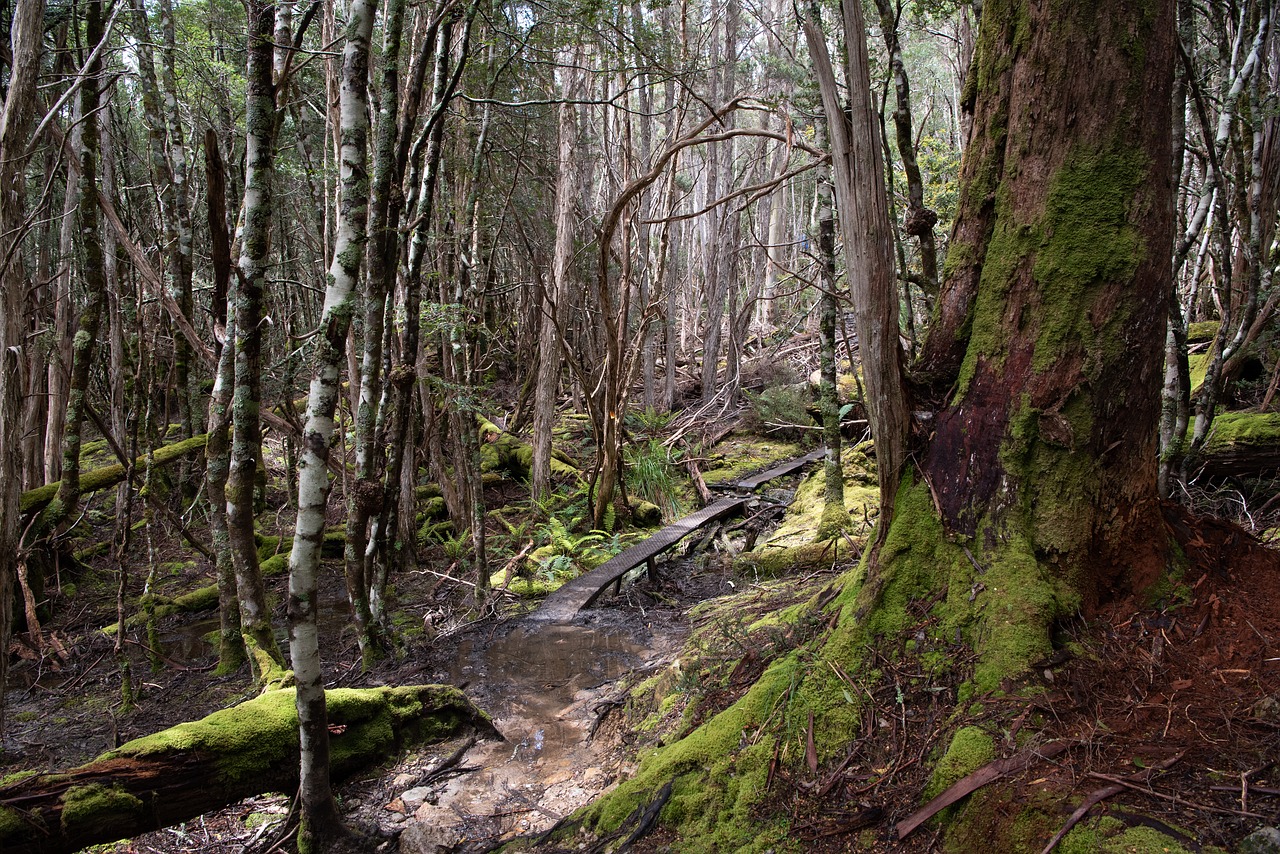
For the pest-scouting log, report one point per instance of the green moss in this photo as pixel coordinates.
(98, 806)
(645, 513)
(99, 478)
(17, 777)
(741, 455)
(1202, 332)
(1242, 430)
(258, 737)
(1087, 236)
(970, 749)
(718, 773)
(1197, 369)
(12, 825)
(198, 600)
(275, 565)
(792, 560)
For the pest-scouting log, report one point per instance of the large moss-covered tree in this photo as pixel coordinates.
(1028, 491)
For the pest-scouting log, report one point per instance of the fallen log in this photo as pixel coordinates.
(34, 500)
(1241, 444)
(190, 769)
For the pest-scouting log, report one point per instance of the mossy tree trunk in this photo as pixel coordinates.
(320, 821)
(255, 252)
(231, 650)
(380, 260)
(1035, 490)
(1049, 342)
(93, 275)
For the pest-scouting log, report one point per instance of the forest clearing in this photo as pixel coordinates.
(461, 426)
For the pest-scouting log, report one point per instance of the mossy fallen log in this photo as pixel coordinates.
(190, 769)
(502, 451)
(37, 499)
(1241, 444)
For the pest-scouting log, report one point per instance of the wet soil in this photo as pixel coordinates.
(547, 687)
(1190, 678)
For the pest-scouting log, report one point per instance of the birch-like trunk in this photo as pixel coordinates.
(403, 377)
(320, 819)
(366, 498)
(255, 252)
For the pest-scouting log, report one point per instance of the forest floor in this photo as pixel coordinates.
(1188, 678)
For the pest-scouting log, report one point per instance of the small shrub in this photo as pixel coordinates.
(781, 411)
(651, 474)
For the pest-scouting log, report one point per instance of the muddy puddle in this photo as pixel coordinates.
(544, 686)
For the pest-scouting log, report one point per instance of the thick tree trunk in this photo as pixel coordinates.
(1062, 279)
(255, 252)
(26, 30)
(196, 767)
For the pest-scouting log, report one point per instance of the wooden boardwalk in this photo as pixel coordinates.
(563, 604)
(758, 480)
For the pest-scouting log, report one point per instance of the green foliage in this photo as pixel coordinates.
(651, 473)
(780, 411)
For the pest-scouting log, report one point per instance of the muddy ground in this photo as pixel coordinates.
(1189, 679)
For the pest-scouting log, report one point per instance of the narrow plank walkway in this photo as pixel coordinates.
(563, 604)
(758, 480)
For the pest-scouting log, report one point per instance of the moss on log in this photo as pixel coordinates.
(192, 768)
(502, 451)
(100, 478)
(1242, 444)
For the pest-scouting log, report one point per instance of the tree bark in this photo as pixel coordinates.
(920, 220)
(553, 314)
(95, 286)
(255, 252)
(381, 250)
(868, 248)
(196, 767)
(320, 820)
(26, 29)
(1044, 458)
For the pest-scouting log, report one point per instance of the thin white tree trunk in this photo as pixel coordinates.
(319, 812)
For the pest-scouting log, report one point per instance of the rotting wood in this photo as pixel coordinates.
(192, 768)
(971, 783)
